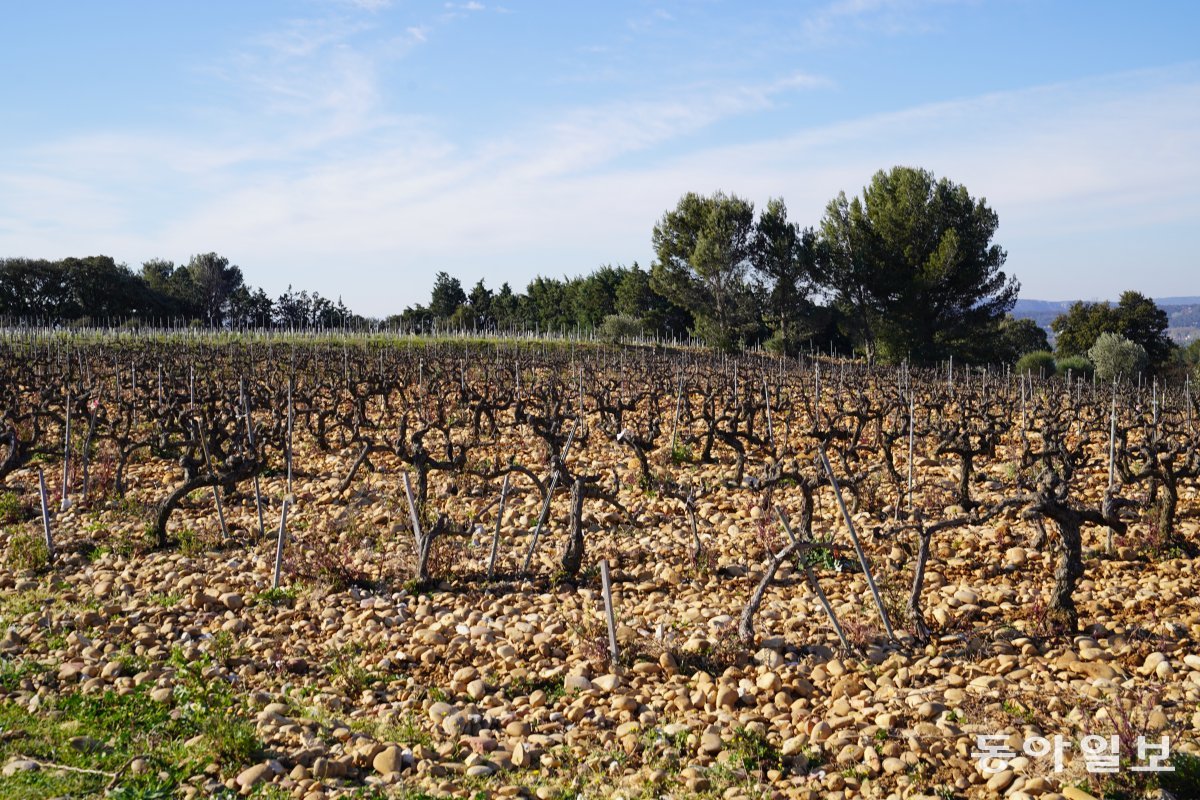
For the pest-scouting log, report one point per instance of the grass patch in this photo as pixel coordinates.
(13, 509)
(282, 596)
(346, 671)
(406, 731)
(164, 599)
(752, 752)
(1184, 781)
(119, 727)
(105, 731)
(27, 551)
(193, 543)
(524, 686)
(14, 671)
(681, 454)
(14, 605)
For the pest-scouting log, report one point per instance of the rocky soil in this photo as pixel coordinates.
(181, 671)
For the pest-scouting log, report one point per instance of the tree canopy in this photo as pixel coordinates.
(906, 271)
(703, 248)
(207, 290)
(1134, 317)
(785, 258)
(914, 265)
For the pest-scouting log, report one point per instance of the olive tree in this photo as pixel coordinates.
(1116, 357)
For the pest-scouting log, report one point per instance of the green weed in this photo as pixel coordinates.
(27, 551)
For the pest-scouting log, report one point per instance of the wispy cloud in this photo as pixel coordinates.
(1083, 157)
(587, 137)
(367, 5)
(833, 22)
(654, 18)
(315, 176)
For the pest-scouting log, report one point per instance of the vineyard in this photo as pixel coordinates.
(368, 568)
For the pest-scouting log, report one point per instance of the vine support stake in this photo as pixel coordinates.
(610, 617)
(46, 516)
(420, 537)
(491, 572)
(811, 578)
(911, 420)
(1112, 460)
(862, 556)
(283, 511)
(258, 503)
(290, 417)
(767, 399)
(66, 474)
(537, 531)
(216, 489)
(678, 403)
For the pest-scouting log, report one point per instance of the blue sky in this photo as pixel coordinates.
(355, 147)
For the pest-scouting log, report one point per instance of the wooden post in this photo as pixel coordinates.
(418, 532)
(678, 403)
(697, 546)
(85, 456)
(911, 420)
(1112, 440)
(767, 398)
(46, 516)
(1187, 396)
(1112, 461)
(1154, 407)
(610, 616)
(817, 392)
(1021, 376)
(279, 543)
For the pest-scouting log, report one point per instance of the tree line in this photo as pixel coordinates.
(1113, 340)
(207, 290)
(906, 272)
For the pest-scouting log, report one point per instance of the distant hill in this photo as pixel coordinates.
(1183, 313)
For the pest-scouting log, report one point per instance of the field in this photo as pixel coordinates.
(371, 568)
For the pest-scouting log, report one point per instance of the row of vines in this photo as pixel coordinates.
(596, 432)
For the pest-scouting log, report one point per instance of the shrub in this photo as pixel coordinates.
(1116, 357)
(785, 344)
(1078, 366)
(1039, 362)
(618, 328)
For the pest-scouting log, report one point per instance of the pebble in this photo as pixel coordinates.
(20, 765)
(391, 759)
(252, 776)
